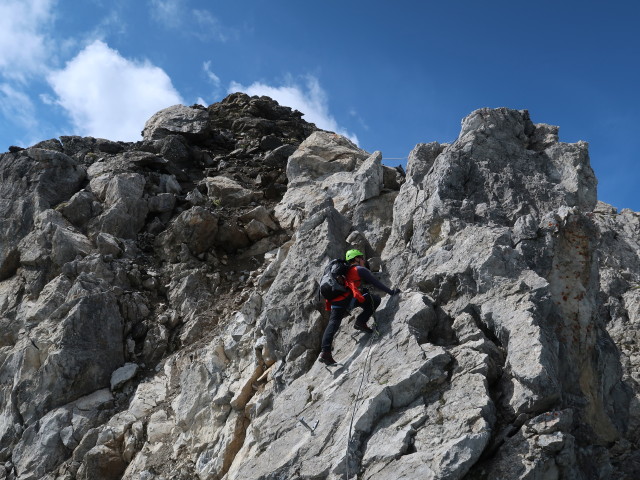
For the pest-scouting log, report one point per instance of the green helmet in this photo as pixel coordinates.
(351, 254)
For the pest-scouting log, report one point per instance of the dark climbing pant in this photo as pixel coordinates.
(340, 309)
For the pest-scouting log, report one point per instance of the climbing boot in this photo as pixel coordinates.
(362, 327)
(326, 358)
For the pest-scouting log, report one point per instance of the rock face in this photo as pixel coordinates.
(160, 316)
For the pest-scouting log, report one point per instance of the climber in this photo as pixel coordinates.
(343, 304)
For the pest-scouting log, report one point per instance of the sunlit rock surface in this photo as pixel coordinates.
(160, 315)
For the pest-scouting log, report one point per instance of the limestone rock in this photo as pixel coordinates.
(510, 353)
(373, 218)
(228, 192)
(44, 445)
(32, 180)
(164, 202)
(196, 227)
(620, 309)
(320, 155)
(270, 142)
(123, 375)
(87, 356)
(260, 214)
(173, 147)
(108, 245)
(125, 209)
(256, 230)
(392, 178)
(230, 236)
(322, 168)
(80, 208)
(67, 244)
(177, 119)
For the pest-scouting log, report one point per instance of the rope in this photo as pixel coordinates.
(364, 371)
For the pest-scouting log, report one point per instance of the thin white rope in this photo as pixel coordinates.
(364, 371)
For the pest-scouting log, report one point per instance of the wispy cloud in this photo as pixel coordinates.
(209, 26)
(24, 49)
(213, 78)
(17, 105)
(170, 13)
(215, 82)
(107, 95)
(113, 23)
(353, 112)
(200, 23)
(309, 98)
(103, 93)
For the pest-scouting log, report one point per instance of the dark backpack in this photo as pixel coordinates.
(333, 277)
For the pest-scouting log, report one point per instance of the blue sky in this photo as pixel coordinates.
(387, 74)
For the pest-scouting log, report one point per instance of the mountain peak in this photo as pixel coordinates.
(161, 318)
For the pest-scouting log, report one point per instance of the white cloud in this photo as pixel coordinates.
(210, 26)
(114, 23)
(109, 96)
(200, 23)
(310, 99)
(170, 13)
(17, 106)
(24, 47)
(215, 80)
(359, 119)
(47, 99)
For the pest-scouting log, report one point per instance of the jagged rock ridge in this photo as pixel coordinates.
(160, 317)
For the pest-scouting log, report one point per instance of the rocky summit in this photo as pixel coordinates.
(160, 316)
